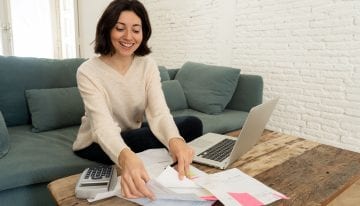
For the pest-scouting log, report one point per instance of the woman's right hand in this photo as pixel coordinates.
(133, 176)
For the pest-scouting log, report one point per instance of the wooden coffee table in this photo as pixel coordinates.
(307, 172)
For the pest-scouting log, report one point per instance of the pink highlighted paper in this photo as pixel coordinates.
(209, 198)
(245, 199)
(233, 187)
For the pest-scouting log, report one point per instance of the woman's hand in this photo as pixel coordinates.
(133, 176)
(183, 154)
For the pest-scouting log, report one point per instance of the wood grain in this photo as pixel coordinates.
(308, 172)
(63, 191)
(314, 176)
(350, 197)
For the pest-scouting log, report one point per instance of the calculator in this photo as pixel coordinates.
(94, 180)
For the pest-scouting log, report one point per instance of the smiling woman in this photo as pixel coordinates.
(120, 87)
(38, 28)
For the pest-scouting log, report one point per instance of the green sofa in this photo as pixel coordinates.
(40, 110)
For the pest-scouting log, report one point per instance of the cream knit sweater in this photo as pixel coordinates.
(115, 103)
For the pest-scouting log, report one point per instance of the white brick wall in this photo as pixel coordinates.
(307, 51)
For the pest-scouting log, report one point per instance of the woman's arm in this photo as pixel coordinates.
(134, 175)
(104, 128)
(162, 123)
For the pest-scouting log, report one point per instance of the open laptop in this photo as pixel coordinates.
(220, 150)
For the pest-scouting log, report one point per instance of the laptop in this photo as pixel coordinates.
(221, 151)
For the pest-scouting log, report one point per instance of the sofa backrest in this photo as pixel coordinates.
(248, 92)
(18, 74)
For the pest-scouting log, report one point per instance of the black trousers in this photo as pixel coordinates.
(141, 139)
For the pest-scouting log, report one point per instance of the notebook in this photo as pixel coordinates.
(221, 151)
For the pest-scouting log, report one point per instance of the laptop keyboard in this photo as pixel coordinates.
(219, 151)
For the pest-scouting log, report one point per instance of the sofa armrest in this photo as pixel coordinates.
(248, 93)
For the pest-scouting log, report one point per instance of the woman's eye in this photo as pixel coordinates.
(136, 31)
(119, 29)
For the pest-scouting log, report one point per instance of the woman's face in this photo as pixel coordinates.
(126, 36)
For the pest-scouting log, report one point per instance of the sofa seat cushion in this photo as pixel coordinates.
(40, 157)
(227, 121)
(30, 195)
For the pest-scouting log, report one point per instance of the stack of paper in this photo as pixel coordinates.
(231, 187)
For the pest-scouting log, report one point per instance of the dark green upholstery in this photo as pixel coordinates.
(207, 88)
(227, 121)
(18, 74)
(30, 195)
(164, 75)
(39, 157)
(248, 93)
(4, 137)
(172, 73)
(54, 108)
(174, 95)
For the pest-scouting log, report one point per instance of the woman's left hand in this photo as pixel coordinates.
(183, 154)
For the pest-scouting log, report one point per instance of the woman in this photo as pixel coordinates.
(118, 88)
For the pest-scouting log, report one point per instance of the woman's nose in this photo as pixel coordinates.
(127, 34)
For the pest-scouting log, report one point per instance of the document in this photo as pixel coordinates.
(165, 183)
(233, 188)
(166, 197)
(169, 178)
(155, 161)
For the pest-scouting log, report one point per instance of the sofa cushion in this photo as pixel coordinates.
(174, 95)
(54, 108)
(30, 195)
(248, 93)
(172, 73)
(207, 88)
(18, 74)
(164, 75)
(227, 121)
(40, 157)
(4, 137)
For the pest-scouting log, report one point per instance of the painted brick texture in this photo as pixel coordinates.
(308, 53)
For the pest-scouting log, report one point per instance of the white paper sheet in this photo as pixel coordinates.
(166, 197)
(233, 187)
(157, 163)
(169, 178)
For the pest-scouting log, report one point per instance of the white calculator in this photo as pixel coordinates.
(94, 180)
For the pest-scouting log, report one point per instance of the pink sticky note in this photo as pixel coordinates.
(245, 199)
(209, 198)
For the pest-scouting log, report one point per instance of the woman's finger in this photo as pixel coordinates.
(181, 168)
(134, 192)
(125, 191)
(141, 187)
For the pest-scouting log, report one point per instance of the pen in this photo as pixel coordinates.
(173, 164)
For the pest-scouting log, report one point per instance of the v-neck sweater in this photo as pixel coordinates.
(117, 102)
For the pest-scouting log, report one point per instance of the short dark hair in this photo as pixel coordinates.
(109, 19)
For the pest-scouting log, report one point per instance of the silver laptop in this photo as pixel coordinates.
(220, 150)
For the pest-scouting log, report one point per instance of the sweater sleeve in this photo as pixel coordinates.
(105, 130)
(157, 112)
